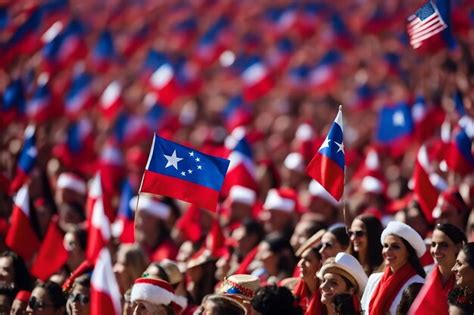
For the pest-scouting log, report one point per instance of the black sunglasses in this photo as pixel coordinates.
(34, 304)
(358, 233)
(78, 297)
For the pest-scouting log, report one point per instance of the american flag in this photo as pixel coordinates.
(425, 23)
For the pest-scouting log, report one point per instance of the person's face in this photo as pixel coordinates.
(277, 221)
(394, 252)
(463, 272)
(145, 308)
(358, 234)
(121, 272)
(443, 250)
(245, 241)
(7, 273)
(40, 303)
(416, 220)
(146, 228)
(300, 235)
(78, 301)
(239, 211)
(330, 246)
(309, 264)
(195, 273)
(268, 258)
(18, 307)
(209, 308)
(331, 285)
(455, 310)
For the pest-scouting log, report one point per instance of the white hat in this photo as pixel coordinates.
(294, 161)
(72, 182)
(347, 266)
(153, 291)
(243, 195)
(242, 284)
(372, 184)
(407, 233)
(316, 190)
(150, 205)
(275, 201)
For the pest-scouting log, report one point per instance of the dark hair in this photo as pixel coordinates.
(22, 277)
(453, 232)
(55, 293)
(225, 305)
(344, 304)
(287, 260)
(468, 250)
(374, 229)
(315, 250)
(413, 259)
(81, 235)
(254, 227)
(408, 296)
(341, 235)
(463, 299)
(274, 300)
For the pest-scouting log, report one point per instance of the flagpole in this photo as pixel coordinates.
(344, 203)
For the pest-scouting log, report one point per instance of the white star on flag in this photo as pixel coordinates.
(340, 147)
(172, 160)
(325, 144)
(398, 119)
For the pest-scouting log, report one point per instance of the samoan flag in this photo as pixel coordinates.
(79, 96)
(395, 127)
(13, 104)
(26, 160)
(180, 172)
(327, 166)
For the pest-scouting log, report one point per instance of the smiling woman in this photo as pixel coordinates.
(464, 267)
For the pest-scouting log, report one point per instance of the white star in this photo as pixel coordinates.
(325, 144)
(198, 160)
(199, 167)
(191, 153)
(183, 173)
(340, 146)
(172, 160)
(190, 171)
(398, 119)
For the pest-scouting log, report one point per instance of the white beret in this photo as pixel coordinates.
(407, 233)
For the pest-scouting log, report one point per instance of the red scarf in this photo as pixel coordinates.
(388, 288)
(310, 303)
(433, 297)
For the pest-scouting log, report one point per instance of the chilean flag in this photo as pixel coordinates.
(242, 170)
(211, 45)
(73, 46)
(163, 82)
(281, 54)
(26, 160)
(426, 192)
(104, 52)
(40, 107)
(123, 227)
(13, 104)
(460, 158)
(21, 237)
(52, 254)
(105, 292)
(327, 166)
(324, 75)
(99, 231)
(111, 100)
(79, 97)
(180, 172)
(257, 80)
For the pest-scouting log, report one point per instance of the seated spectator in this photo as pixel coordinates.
(153, 297)
(273, 300)
(277, 259)
(335, 240)
(220, 305)
(464, 267)
(47, 298)
(130, 264)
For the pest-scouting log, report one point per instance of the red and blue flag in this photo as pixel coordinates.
(395, 127)
(184, 173)
(26, 160)
(327, 166)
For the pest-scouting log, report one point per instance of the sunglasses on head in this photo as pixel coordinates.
(34, 304)
(78, 297)
(359, 233)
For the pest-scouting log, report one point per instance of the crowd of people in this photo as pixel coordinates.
(85, 85)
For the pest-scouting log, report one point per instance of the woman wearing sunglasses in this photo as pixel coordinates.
(78, 300)
(364, 234)
(335, 240)
(47, 299)
(402, 249)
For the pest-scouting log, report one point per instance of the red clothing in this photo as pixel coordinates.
(433, 297)
(167, 249)
(310, 303)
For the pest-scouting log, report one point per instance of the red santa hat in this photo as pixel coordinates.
(282, 200)
(23, 296)
(151, 205)
(73, 182)
(154, 291)
(243, 195)
(449, 200)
